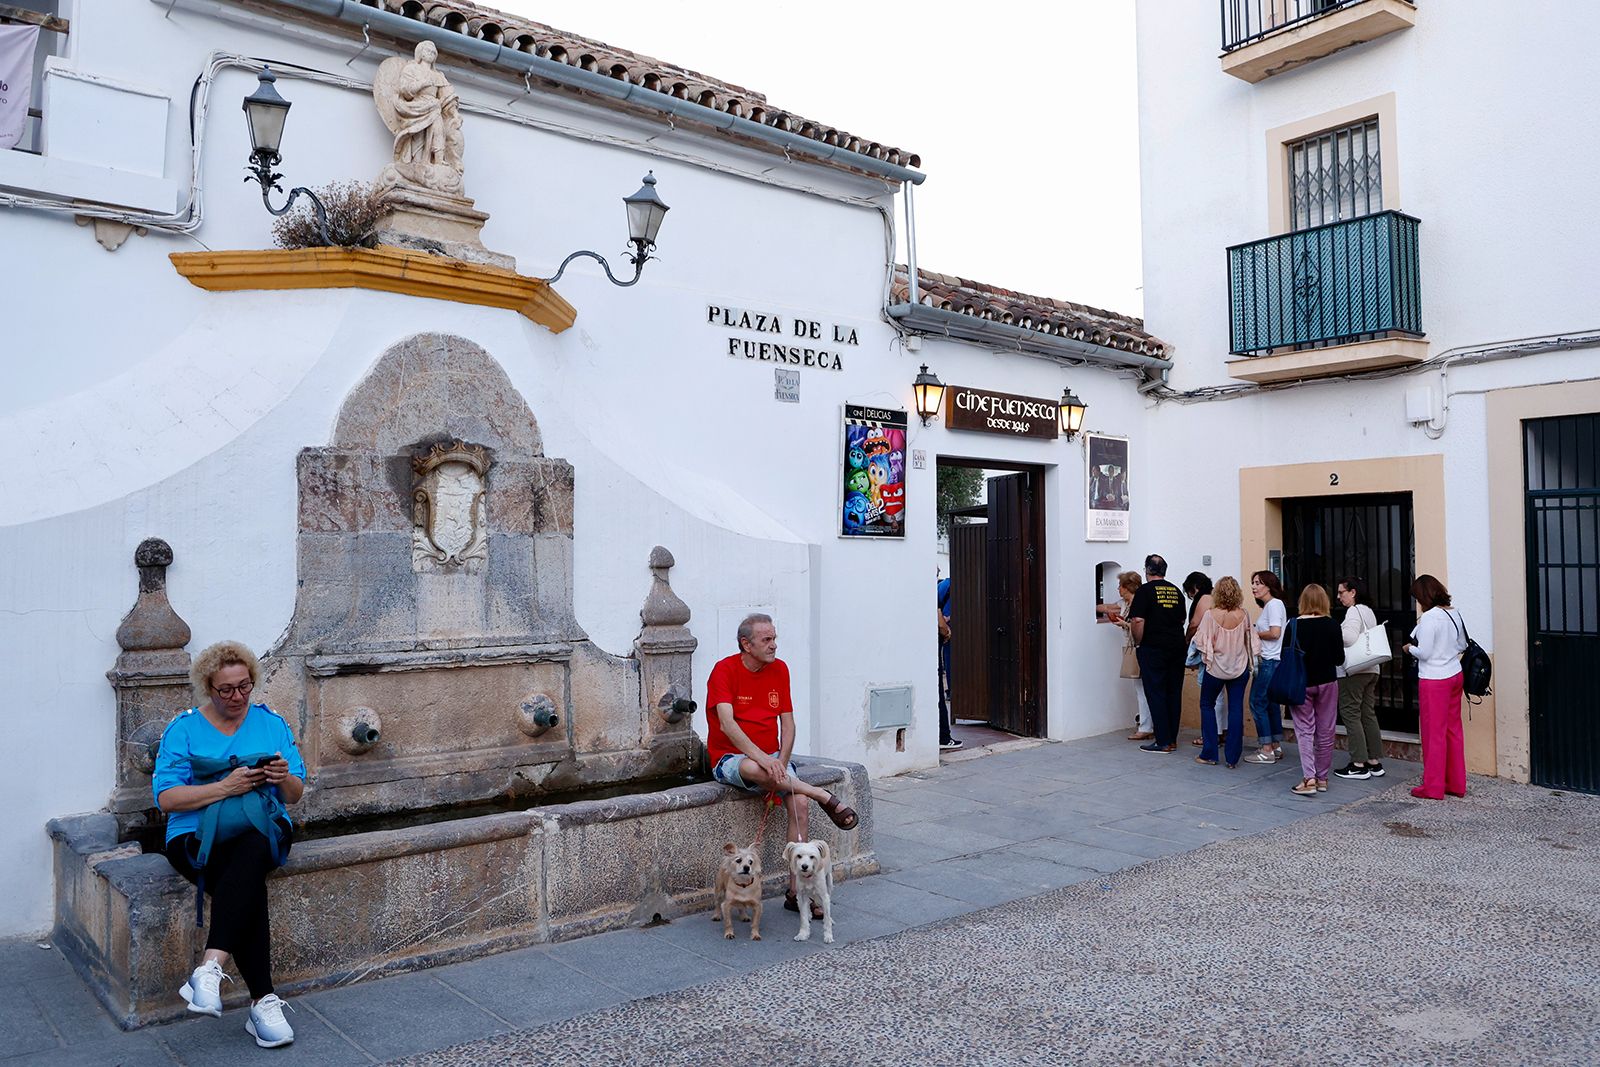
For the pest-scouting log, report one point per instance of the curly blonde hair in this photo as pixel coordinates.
(1227, 595)
(213, 659)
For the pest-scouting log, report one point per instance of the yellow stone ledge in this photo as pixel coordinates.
(388, 270)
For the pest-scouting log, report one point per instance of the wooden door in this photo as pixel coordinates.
(969, 622)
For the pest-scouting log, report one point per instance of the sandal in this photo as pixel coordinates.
(843, 817)
(790, 903)
(1306, 788)
(1207, 762)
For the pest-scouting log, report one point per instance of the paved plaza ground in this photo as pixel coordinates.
(1075, 903)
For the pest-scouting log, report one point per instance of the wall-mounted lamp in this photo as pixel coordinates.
(1072, 411)
(645, 212)
(266, 112)
(930, 394)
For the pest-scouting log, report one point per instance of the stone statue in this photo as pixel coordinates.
(423, 112)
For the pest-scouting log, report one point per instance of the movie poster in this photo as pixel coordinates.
(873, 500)
(1107, 482)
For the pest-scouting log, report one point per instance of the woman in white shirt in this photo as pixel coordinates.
(1268, 591)
(1128, 583)
(1358, 689)
(1437, 644)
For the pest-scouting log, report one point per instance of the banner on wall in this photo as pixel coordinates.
(17, 44)
(873, 494)
(1106, 476)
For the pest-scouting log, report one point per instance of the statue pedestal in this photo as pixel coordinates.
(428, 221)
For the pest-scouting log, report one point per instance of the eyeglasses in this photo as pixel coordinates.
(227, 691)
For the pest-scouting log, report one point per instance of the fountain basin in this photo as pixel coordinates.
(361, 905)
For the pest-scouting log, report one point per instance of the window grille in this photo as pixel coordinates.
(1335, 175)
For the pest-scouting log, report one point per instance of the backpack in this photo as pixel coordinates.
(1475, 666)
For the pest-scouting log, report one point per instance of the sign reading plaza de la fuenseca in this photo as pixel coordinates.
(795, 341)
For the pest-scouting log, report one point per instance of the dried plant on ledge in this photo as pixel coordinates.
(353, 208)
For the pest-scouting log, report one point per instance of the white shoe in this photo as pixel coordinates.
(203, 990)
(950, 745)
(267, 1024)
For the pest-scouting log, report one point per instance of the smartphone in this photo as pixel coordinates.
(262, 762)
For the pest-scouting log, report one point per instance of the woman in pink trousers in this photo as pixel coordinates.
(1319, 639)
(1437, 644)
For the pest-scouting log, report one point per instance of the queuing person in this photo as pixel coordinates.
(1128, 583)
(1266, 712)
(1157, 619)
(221, 749)
(1197, 587)
(1227, 642)
(1318, 637)
(947, 740)
(1437, 644)
(1358, 689)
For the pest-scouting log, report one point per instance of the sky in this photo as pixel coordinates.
(1024, 114)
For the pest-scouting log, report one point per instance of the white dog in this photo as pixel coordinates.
(811, 863)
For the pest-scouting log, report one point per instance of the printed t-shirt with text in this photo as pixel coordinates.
(758, 698)
(1160, 604)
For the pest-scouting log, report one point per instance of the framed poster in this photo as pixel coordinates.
(1106, 479)
(873, 479)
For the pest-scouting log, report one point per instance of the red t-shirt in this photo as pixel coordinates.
(758, 698)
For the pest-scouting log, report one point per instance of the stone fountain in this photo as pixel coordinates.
(482, 776)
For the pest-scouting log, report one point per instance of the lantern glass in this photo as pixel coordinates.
(1072, 412)
(645, 212)
(266, 112)
(929, 391)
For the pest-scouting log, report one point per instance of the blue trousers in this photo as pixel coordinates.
(1161, 672)
(1268, 716)
(1210, 687)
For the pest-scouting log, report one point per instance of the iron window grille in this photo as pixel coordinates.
(1335, 175)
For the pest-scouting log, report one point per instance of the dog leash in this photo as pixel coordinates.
(772, 802)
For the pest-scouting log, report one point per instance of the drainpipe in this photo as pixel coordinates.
(355, 14)
(911, 246)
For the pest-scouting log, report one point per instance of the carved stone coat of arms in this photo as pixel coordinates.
(449, 528)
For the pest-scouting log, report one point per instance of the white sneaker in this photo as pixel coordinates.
(203, 990)
(267, 1024)
(950, 745)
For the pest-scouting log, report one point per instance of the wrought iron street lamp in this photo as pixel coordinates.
(645, 212)
(929, 391)
(1072, 411)
(266, 113)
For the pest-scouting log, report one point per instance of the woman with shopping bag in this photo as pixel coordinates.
(1366, 650)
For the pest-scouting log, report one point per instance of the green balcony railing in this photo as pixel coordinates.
(1341, 282)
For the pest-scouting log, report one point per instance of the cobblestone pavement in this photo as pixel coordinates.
(1392, 931)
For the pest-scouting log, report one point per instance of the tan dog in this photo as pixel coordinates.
(738, 886)
(811, 863)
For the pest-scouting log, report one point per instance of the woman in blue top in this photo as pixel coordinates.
(226, 724)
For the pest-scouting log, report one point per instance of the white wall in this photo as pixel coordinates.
(1496, 156)
(142, 406)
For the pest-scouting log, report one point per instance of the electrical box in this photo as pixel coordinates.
(889, 708)
(1419, 404)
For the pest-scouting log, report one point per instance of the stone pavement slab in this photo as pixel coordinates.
(980, 831)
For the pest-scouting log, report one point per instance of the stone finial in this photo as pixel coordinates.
(152, 624)
(662, 607)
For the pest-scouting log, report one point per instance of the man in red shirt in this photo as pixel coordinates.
(751, 731)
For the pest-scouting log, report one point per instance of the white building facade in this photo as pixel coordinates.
(141, 405)
(1373, 260)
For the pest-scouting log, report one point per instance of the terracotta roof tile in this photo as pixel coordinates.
(1045, 314)
(535, 38)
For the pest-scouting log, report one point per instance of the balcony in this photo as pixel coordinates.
(1326, 301)
(1261, 38)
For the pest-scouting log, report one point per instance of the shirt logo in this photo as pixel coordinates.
(772, 699)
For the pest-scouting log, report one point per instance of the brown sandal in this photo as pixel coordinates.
(791, 903)
(844, 818)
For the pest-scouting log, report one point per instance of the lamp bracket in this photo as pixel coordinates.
(638, 260)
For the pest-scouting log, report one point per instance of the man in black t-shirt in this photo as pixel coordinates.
(1158, 619)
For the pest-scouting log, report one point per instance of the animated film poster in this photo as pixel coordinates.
(1107, 481)
(874, 491)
